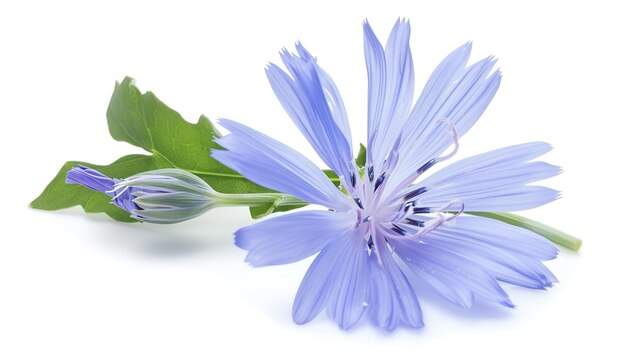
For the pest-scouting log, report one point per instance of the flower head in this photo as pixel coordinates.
(163, 196)
(393, 229)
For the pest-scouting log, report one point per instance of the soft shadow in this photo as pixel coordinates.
(211, 232)
(166, 243)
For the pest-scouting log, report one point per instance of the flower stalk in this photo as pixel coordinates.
(556, 236)
(258, 199)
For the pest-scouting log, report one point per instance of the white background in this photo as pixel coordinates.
(76, 285)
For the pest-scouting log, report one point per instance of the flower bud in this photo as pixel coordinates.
(163, 196)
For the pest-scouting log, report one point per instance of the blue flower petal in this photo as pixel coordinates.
(510, 253)
(449, 70)
(311, 99)
(392, 300)
(335, 103)
(292, 237)
(90, 178)
(377, 83)
(456, 278)
(504, 237)
(428, 130)
(493, 181)
(390, 91)
(274, 165)
(337, 280)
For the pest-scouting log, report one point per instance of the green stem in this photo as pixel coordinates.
(259, 199)
(558, 237)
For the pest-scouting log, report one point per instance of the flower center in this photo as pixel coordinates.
(389, 212)
(399, 215)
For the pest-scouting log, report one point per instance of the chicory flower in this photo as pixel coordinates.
(393, 229)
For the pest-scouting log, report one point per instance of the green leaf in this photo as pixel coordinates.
(144, 121)
(361, 157)
(332, 176)
(550, 233)
(58, 195)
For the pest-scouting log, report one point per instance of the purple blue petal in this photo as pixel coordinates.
(338, 281)
(299, 235)
(392, 297)
(493, 181)
(276, 166)
(305, 96)
(391, 88)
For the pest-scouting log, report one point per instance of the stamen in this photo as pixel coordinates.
(407, 206)
(370, 173)
(376, 248)
(398, 229)
(421, 210)
(403, 209)
(352, 179)
(358, 202)
(414, 193)
(370, 243)
(451, 204)
(366, 219)
(426, 166)
(455, 215)
(392, 159)
(455, 139)
(433, 224)
(414, 222)
(379, 181)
